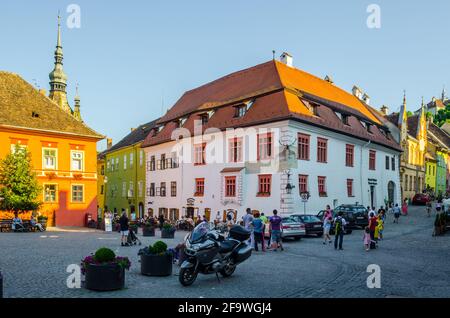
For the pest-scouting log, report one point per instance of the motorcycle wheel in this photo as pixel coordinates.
(187, 276)
(228, 270)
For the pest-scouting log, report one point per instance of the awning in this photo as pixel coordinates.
(234, 169)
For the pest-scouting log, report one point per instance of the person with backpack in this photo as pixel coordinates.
(339, 228)
(397, 213)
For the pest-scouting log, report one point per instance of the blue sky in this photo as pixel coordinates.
(134, 59)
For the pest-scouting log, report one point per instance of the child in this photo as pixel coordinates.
(379, 228)
(366, 238)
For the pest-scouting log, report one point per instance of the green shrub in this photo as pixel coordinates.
(104, 255)
(167, 226)
(158, 248)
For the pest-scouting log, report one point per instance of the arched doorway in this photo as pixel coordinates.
(391, 192)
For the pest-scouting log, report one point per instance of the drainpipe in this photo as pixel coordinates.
(361, 169)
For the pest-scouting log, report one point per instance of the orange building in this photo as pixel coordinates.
(63, 149)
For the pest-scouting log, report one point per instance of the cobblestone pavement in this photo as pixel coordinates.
(413, 264)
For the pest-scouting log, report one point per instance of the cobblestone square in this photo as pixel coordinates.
(413, 264)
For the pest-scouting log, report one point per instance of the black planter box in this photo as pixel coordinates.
(148, 231)
(104, 277)
(156, 265)
(167, 233)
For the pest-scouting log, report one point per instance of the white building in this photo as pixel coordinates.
(260, 137)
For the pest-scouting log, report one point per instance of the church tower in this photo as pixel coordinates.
(76, 110)
(58, 79)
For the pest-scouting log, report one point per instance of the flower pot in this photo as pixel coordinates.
(104, 277)
(148, 231)
(156, 265)
(167, 233)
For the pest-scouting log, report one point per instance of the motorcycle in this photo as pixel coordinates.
(209, 252)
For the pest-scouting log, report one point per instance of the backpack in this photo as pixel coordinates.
(338, 228)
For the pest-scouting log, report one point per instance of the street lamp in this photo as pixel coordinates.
(289, 188)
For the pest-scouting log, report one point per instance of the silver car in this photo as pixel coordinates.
(290, 229)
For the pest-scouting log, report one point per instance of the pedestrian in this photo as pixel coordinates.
(339, 228)
(247, 219)
(266, 223)
(373, 222)
(230, 222)
(258, 227)
(439, 206)
(380, 227)
(161, 221)
(366, 238)
(429, 208)
(327, 218)
(275, 228)
(397, 213)
(124, 228)
(405, 207)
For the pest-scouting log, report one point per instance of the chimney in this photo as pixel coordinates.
(287, 59)
(385, 110)
(329, 79)
(108, 143)
(42, 92)
(357, 92)
(366, 99)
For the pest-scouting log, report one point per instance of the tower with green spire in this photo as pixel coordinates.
(58, 79)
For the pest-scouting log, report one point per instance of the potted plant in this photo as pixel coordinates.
(104, 271)
(42, 220)
(156, 260)
(168, 231)
(148, 229)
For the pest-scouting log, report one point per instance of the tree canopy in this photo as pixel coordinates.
(19, 188)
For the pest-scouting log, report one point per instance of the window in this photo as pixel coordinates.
(303, 183)
(204, 118)
(199, 154)
(264, 146)
(173, 188)
(264, 185)
(77, 193)
(350, 187)
(102, 170)
(240, 111)
(388, 160)
(321, 181)
(141, 158)
(102, 189)
(173, 214)
(235, 150)
(410, 183)
(140, 188)
(117, 164)
(349, 155)
(50, 159)
(162, 191)
(49, 192)
(230, 186)
(151, 165)
(17, 147)
(124, 162)
(151, 190)
(108, 165)
(322, 150)
(163, 162)
(130, 193)
(199, 187)
(372, 158)
(393, 163)
(77, 160)
(303, 147)
(131, 160)
(124, 189)
(344, 119)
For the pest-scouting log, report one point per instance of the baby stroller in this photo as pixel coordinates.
(132, 239)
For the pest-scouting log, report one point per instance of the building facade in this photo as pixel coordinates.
(264, 138)
(62, 147)
(124, 183)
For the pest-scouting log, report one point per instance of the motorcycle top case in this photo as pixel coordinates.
(239, 233)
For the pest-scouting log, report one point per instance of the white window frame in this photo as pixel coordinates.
(44, 167)
(117, 164)
(71, 192)
(140, 188)
(131, 188)
(124, 162)
(44, 199)
(72, 152)
(141, 158)
(124, 189)
(131, 160)
(21, 147)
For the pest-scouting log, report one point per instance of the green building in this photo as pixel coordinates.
(124, 184)
(441, 141)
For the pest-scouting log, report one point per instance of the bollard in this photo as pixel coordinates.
(1, 285)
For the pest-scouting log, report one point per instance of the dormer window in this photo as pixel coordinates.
(344, 119)
(204, 118)
(315, 108)
(240, 111)
(369, 128)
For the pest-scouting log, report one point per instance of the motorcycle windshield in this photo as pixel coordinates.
(200, 231)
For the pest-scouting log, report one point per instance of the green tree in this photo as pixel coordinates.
(19, 188)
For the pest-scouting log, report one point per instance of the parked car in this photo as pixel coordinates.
(421, 199)
(290, 229)
(357, 216)
(313, 225)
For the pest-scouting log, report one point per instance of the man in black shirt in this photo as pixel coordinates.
(123, 221)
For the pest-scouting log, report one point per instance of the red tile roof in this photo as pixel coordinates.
(278, 92)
